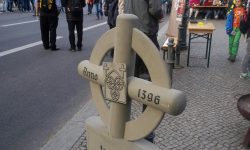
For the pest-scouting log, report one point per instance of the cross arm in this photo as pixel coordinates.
(170, 101)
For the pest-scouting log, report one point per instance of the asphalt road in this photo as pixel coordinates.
(39, 90)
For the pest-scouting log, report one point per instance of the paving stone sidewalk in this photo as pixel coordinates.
(211, 120)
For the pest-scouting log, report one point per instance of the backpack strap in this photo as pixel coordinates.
(230, 8)
(46, 3)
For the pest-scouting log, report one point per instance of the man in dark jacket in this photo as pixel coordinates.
(149, 13)
(111, 10)
(49, 11)
(74, 15)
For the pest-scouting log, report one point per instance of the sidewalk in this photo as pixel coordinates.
(211, 119)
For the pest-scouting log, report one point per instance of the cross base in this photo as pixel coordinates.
(99, 139)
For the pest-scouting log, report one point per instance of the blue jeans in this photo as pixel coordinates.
(9, 5)
(99, 12)
(90, 6)
(26, 5)
(217, 13)
(208, 13)
(4, 5)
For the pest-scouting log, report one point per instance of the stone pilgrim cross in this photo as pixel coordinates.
(114, 81)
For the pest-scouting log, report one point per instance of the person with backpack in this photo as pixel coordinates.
(232, 28)
(49, 11)
(245, 29)
(74, 15)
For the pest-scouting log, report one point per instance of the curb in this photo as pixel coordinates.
(65, 138)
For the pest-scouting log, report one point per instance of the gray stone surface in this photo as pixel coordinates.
(211, 120)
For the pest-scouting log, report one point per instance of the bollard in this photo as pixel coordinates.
(183, 27)
(178, 48)
(170, 58)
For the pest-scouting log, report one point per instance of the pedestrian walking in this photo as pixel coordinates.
(150, 14)
(111, 11)
(98, 6)
(74, 15)
(19, 5)
(49, 11)
(32, 4)
(90, 6)
(232, 29)
(9, 5)
(26, 5)
(4, 6)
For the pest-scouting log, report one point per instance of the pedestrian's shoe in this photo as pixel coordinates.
(79, 48)
(73, 49)
(245, 75)
(46, 47)
(150, 137)
(233, 58)
(55, 48)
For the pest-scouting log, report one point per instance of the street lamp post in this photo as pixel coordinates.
(184, 23)
(182, 33)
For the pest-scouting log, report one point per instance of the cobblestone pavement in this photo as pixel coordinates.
(211, 120)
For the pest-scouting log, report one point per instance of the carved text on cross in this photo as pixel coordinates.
(122, 69)
(105, 67)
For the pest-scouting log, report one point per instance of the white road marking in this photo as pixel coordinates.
(14, 50)
(94, 26)
(14, 24)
